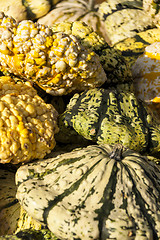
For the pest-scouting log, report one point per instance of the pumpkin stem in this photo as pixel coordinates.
(117, 152)
(91, 4)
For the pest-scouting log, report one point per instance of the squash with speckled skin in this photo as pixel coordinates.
(111, 116)
(99, 192)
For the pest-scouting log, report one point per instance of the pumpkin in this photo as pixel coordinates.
(57, 62)
(114, 20)
(124, 19)
(26, 9)
(111, 116)
(114, 64)
(146, 75)
(76, 10)
(27, 123)
(98, 192)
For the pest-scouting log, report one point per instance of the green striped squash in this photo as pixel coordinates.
(123, 19)
(99, 192)
(108, 116)
(111, 116)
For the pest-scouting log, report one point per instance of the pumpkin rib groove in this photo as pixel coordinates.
(95, 112)
(107, 205)
(68, 191)
(141, 202)
(150, 176)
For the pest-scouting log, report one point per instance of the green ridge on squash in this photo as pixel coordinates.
(108, 116)
(98, 192)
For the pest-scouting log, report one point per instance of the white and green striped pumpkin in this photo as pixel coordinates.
(114, 20)
(99, 192)
(111, 116)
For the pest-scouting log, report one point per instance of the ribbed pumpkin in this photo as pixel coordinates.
(114, 20)
(123, 19)
(111, 116)
(99, 192)
(76, 10)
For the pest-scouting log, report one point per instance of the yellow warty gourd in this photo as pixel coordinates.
(27, 123)
(57, 62)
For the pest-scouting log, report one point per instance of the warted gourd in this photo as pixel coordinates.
(27, 123)
(57, 62)
(111, 59)
(98, 192)
(111, 116)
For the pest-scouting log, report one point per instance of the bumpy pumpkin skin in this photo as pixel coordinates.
(114, 64)
(98, 192)
(57, 62)
(108, 116)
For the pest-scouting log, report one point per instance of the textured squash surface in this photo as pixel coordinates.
(57, 62)
(110, 116)
(98, 192)
(111, 59)
(27, 123)
(107, 116)
(30, 234)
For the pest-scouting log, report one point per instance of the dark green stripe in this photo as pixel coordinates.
(70, 190)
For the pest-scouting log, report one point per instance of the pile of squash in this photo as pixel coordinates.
(80, 121)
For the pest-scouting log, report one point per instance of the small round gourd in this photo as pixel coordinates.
(98, 192)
